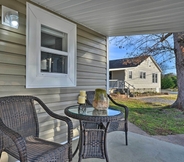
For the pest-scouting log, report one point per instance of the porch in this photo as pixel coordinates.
(141, 148)
(121, 86)
(91, 62)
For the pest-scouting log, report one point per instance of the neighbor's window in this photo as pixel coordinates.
(154, 78)
(130, 74)
(51, 50)
(143, 75)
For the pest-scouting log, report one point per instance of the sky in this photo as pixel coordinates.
(116, 53)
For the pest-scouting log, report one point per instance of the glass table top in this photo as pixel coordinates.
(90, 113)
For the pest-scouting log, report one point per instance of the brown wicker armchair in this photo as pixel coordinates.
(19, 132)
(121, 125)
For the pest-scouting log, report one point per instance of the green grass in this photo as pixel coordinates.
(155, 119)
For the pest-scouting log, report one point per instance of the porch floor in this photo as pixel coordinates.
(140, 148)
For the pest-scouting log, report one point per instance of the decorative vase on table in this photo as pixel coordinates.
(100, 101)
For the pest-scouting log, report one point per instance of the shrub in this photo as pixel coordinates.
(168, 81)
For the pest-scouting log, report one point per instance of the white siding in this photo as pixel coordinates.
(119, 74)
(146, 84)
(141, 84)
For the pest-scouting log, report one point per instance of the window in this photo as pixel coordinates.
(154, 78)
(143, 75)
(130, 74)
(52, 42)
(51, 50)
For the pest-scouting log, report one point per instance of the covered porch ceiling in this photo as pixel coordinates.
(122, 17)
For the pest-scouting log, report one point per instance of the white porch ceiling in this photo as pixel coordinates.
(122, 17)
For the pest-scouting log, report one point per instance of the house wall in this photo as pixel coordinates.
(141, 85)
(120, 74)
(149, 67)
(91, 70)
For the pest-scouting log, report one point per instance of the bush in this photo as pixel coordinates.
(174, 78)
(168, 81)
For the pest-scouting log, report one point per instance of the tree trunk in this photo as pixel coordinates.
(179, 57)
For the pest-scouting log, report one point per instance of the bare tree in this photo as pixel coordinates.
(163, 47)
(179, 57)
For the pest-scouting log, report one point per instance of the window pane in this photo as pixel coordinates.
(152, 78)
(144, 75)
(51, 38)
(140, 74)
(53, 63)
(130, 74)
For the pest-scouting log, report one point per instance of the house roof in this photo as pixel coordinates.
(127, 62)
(121, 17)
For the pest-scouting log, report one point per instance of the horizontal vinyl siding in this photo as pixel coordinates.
(11, 58)
(12, 37)
(12, 48)
(120, 75)
(141, 83)
(91, 71)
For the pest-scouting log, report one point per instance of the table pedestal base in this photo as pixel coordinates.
(92, 142)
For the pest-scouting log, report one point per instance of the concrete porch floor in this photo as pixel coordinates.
(141, 148)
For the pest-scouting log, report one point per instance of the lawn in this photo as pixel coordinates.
(155, 119)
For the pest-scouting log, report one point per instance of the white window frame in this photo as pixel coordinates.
(143, 75)
(34, 77)
(154, 78)
(130, 74)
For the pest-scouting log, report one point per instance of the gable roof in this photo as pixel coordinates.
(127, 62)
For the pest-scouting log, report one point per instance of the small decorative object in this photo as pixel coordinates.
(83, 93)
(82, 101)
(100, 101)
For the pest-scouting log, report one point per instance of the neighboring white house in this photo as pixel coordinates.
(141, 73)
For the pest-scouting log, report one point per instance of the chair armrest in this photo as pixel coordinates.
(121, 105)
(17, 139)
(60, 117)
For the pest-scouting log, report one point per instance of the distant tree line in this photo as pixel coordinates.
(169, 81)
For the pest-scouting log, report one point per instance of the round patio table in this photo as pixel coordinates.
(93, 130)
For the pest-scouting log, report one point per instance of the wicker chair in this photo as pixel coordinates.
(121, 125)
(19, 132)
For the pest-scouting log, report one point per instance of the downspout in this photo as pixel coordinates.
(107, 50)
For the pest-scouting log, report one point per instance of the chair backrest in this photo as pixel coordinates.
(90, 97)
(19, 114)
